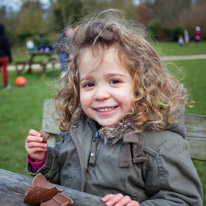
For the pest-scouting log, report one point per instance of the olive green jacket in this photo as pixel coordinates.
(153, 168)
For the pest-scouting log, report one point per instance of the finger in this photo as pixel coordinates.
(113, 200)
(36, 144)
(34, 139)
(32, 151)
(107, 197)
(133, 203)
(123, 201)
(33, 132)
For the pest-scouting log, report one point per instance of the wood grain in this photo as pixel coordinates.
(13, 187)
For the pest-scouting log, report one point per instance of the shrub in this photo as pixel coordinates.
(176, 32)
(154, 28)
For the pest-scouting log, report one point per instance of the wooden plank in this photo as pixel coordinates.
(13, 187)
(20, 66)
(49, 123)
(196, 135)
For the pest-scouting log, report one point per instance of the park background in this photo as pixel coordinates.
(21, 108)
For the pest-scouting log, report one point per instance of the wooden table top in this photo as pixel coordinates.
(13, 187)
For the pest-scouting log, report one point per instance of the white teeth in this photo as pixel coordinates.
(105, 109)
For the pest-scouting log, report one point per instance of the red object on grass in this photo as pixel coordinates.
(20, 81)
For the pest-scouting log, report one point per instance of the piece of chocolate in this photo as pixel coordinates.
(44, 135)
(58, 200)
(40, 191)
(40, 181)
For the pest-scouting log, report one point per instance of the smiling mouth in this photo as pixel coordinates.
(106, 109)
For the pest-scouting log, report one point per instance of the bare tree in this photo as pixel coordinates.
(167, 12)
(195, 16)
(31, 17)
(143, 14)
(67, 12)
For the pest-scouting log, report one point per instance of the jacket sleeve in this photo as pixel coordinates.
(171, 177)
(51, 169)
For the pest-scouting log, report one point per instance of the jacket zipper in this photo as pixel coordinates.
(92, 158)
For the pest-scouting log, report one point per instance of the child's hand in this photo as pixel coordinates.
(35, 145)
(119, 200)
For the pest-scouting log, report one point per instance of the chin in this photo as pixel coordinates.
(107, 124)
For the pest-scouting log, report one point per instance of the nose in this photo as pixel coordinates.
(101, 93)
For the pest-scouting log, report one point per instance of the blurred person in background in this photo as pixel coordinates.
(180, 41)
(5, 56)
(186, 37)
(30, 45)
(62, 49)
(197, 35)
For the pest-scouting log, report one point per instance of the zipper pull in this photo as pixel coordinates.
(92, 158)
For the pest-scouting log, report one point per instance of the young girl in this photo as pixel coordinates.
(122, 120)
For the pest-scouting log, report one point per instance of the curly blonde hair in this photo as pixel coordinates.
(158, 95)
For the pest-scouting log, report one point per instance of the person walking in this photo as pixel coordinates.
(5, 56)
(62, 49)
(181, 41)
(197, 35)
(186, 37)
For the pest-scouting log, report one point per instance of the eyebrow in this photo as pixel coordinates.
(107, 75)
(81, 80)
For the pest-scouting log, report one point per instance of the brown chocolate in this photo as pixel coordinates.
(44, 135)
(40, 181)
(41, 191)
(36, 195)
(58, 200)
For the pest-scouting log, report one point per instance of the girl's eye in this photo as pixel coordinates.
(114, 81)
(90, 84)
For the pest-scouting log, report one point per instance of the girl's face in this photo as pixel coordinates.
(106, 87)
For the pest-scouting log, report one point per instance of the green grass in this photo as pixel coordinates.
(194, 80)
(21, 108)
(173, 49)
(27, 57)
(192, 73)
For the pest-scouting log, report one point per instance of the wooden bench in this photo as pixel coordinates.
(29, 63)
(195, 130)
(13, 187)
(20, 66)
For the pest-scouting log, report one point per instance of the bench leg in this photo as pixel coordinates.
(18, 71)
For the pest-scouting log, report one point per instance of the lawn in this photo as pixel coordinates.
(173, 49)
(21, 108)
(192, 73)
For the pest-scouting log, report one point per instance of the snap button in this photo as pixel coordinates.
(75, 125)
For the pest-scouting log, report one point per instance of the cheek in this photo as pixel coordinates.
(128, 100)
(84, 100)
(129, 94)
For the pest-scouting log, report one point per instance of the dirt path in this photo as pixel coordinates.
(164, 58)
(185, 57)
